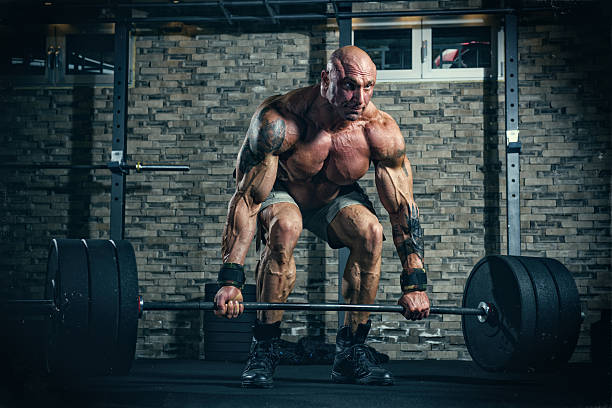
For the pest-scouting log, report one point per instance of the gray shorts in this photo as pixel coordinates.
(317, 220)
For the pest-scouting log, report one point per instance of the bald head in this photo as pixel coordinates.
(351, 58)
(348, 82)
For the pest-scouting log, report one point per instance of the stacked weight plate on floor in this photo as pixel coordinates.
(535, 318)
(94, 285)
(224, 339)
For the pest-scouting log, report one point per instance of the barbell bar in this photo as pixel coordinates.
(113, 166)
(517, 313)
(46, 306)
(319, 307)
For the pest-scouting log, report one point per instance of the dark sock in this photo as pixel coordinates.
(262, 331)
(362, 332)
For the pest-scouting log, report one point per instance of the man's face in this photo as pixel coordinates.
(348, 88)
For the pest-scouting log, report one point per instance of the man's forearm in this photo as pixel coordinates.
(239, 229)
(408, 238)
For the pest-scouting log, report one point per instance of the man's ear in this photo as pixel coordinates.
(324, 82)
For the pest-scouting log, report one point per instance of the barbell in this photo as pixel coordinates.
(517, 312)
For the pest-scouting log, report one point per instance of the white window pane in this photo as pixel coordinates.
(390, 49)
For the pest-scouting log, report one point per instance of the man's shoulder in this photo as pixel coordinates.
(295, 102)
(381, 122)
(384, 137)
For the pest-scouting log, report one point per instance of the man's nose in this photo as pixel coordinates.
(359, 96)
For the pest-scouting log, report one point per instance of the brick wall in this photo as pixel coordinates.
(191, 102)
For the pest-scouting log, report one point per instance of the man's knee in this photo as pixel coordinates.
(370, 238)
(283, 237)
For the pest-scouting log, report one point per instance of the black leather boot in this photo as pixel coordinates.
(264, 356)
(355, 362)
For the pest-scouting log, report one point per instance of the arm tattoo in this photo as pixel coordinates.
(414, 243)
(263, 137)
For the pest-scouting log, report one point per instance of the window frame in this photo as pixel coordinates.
(413, 23)
(422, 47)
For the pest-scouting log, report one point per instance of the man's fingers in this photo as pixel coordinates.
(231, 309)
(222, 306)
(414, 309)
(218, 306)
(220, 311)
(228, 310)
(235, 308)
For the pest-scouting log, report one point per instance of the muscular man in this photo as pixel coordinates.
(297, 168)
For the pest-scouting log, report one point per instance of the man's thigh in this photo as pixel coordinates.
(281, 223)
(319, 221)
(350, 225)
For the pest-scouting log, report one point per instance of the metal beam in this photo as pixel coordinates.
(200, 12)
(226, 13)
(270, 11)
(513, 145)
(119, 143)
(346, 38)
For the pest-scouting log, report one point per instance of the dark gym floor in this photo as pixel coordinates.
(185, 384)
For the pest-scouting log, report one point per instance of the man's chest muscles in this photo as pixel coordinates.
(320, 156)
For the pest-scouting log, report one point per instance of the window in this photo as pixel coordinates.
(388, 49)
(470, 47)
(58, 55)
(28, 57)
(461, 47)
(90, 54)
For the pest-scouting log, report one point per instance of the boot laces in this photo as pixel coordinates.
(262, 355)
(365, 357)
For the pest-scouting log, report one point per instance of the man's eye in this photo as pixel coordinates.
(349, 86)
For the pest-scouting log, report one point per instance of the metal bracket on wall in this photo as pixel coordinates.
(119, 143)
(513, 145)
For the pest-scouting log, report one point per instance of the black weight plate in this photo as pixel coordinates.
(128, 308)
(228, 356)
(72, 335)
(569, 309)
(104, 304)
(225, 347)
(245, 318)
(220, 337)
(227, 327)
(547, 311)
(501, 342)
(226, 344)
(52, 293)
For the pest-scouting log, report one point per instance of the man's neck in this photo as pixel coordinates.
(327, 118)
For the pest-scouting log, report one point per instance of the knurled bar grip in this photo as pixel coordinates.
(310, 306)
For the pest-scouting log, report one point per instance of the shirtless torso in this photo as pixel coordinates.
(316, 157)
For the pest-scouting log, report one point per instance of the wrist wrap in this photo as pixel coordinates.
(231, 274)
(413, 280)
